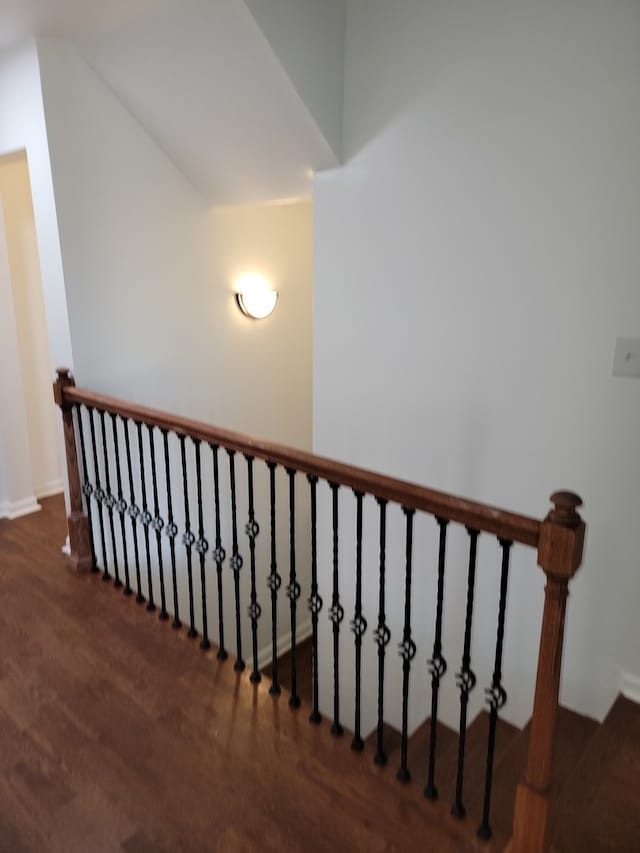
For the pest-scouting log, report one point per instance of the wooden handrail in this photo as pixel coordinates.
(479, 516)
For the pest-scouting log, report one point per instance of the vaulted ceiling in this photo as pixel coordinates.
(246, 107)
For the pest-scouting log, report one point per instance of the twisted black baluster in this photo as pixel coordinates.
(358, 624)
(496, 695)
(315, 601)
(171, 530)
(110, 503)
(381, 635)
(145, 518)
(236, 560)
(437, 665)
(202, 546)
(87, 488)
(218, 554)
(98, 493)
(407, 648)
(158, 524)
(121, 506)
(465, 679)
(273, 582)
(293, 588)
(133, 512)
(254, 610)
(336, 615)
(188, 539)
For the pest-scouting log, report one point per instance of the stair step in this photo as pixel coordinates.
(418, 749)
(390, 737)
(573, 733)
(476, 759)
(597, 805)
(304, 670)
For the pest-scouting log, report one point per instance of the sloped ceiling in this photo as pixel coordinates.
(204, 82)
(64, 18)
(308, 36)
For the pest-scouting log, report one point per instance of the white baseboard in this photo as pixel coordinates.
(16, 509)
(630, 686)
(303, 632)
(47, 490)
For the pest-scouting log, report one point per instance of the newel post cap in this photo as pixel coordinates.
(562, 537)
(564, 512)
(64, 379)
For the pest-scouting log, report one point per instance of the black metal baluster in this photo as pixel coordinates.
(98, 493)
(496, 695)
(158, 524)
(465, 679)
(336, 615)
(188, 539)
(236, 560)
(273, 582)
(121, 506)
(293, 588)
(87, 488)
(145, 518)
(254, 610)
(437, 665)
(315, 601)
(133, 512)
(110, 503)
(358, 624)
(381, 635)
(202, 546)
(407, 648)
(171, 530)
(218, 554)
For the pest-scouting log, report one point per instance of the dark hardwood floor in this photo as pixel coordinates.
(119, 734)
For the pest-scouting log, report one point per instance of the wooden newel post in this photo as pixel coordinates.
(560, 554)
(80, 557)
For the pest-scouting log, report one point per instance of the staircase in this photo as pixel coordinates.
(597, 770)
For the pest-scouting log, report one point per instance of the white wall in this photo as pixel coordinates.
(308, 39)
(128, 225)
(475, 260)
(267, 369)
(15, 197)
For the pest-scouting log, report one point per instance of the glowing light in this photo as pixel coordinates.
(255, 296)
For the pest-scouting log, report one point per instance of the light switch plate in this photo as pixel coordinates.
(626, 359)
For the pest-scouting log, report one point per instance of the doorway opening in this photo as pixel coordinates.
(29, 450)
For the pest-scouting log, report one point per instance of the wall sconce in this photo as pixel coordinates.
(255, 297)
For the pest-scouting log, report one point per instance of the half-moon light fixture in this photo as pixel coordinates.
(255, 297)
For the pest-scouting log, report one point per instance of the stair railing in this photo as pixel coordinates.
(99, 434)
